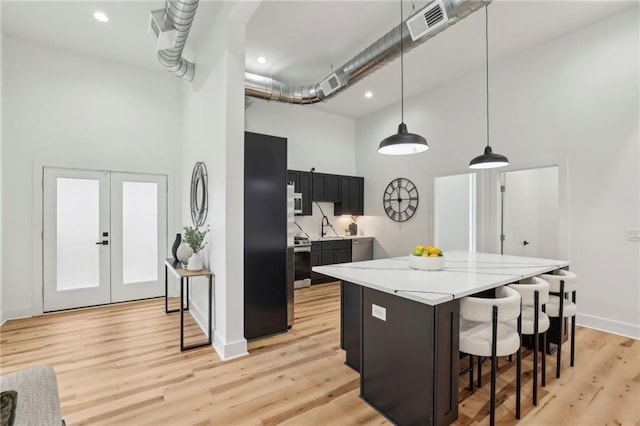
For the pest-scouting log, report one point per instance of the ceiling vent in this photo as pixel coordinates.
(330, 84)
(427, 20)
(162, 32)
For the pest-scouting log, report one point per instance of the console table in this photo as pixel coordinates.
(170, 265)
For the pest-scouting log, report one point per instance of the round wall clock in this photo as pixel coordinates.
(400, 199)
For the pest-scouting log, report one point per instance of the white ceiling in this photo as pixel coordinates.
(304, 39)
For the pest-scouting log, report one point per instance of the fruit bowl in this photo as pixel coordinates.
(426, 263)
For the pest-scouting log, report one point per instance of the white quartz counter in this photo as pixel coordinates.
(341, 237)
(464, 274)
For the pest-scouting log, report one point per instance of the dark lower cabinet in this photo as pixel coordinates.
(328, 253)
(265, 235)
(409, 360)
(351, 297)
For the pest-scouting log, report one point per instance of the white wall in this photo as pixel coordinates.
(576, 97)
(214, 133)
(63, 109)
(314, 139)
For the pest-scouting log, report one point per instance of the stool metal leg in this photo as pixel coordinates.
(470, 372)
(494, 358)
(544, 359)
(561, 320)
(518, 364)
(536, 302)
(573, 332)
(479, 371)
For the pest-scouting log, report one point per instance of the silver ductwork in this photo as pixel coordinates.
(179, 14)
(419, 27)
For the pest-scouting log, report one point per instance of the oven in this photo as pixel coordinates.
(302, 264)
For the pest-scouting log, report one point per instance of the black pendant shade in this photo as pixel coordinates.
(403, 143)
(488, 160)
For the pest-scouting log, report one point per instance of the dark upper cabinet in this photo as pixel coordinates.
(351, 196)
(302, 183)
(326, 188)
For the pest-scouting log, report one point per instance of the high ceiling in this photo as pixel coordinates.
(303, 40)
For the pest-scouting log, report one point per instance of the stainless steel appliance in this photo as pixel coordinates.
(361, 249)
(290, 253)
(302, 262)
(297, 203)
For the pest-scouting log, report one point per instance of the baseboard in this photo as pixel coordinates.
(229, 351)
(226, 351)
(15, 313)
(609, 326)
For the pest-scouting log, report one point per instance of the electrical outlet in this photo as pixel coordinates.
(379, 312)
(633, 234)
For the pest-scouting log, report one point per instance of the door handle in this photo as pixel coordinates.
(103, 243)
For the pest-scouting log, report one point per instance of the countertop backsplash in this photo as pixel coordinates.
(313, 224)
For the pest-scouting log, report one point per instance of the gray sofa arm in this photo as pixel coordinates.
(38, 403)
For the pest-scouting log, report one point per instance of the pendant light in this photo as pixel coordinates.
(488, 160)
(403, 142)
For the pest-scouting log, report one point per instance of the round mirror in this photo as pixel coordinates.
(199, 204)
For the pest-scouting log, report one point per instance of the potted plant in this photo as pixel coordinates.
(195, 239)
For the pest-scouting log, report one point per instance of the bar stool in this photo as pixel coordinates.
(486, 330)
(535, 293)
(558, 306)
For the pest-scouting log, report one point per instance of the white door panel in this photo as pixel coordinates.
(76, 269)
(139, 229)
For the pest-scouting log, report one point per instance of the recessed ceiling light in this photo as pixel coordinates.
(101, 17)
(262, 60)
(368, 95)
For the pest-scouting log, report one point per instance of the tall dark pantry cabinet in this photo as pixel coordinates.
(265, 235)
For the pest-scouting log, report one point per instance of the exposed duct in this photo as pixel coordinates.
(422, 25)
(179, 15)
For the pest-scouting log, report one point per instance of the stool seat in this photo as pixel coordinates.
(553, 307)
(527, 321)
(475, 338)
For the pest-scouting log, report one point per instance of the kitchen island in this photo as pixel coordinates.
(399, 327)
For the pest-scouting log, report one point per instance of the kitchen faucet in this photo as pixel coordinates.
(324, 219)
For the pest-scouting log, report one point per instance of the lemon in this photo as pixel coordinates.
(434, 255)
(425, 254)
(418, 248)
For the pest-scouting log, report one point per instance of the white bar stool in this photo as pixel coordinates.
(486, 330)
(558, 306)
(535, 293)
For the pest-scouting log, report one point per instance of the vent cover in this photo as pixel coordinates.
(330, 84)
(427, 20)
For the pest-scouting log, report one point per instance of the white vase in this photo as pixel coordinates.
(195, 262)
(184, 252)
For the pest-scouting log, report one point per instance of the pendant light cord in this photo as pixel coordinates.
(486, 53)
(401, 65)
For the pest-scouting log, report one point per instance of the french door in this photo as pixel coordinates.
(104, 237)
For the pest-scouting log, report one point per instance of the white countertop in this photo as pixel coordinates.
(340, 237)
(464, 274)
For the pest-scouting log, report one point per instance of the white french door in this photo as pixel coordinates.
(105, 235)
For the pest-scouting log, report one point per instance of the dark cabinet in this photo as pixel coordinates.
(326, 188)
(351, 196)
(265, 235)
(302, 183)
(328, 253)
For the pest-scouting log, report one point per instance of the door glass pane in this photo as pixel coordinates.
(78, 230)
(455, 212)
(139, 232)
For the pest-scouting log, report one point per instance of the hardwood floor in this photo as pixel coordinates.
(122, 365)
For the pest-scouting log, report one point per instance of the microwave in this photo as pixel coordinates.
(297, 203)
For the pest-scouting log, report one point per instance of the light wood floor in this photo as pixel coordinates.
(122, 365)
